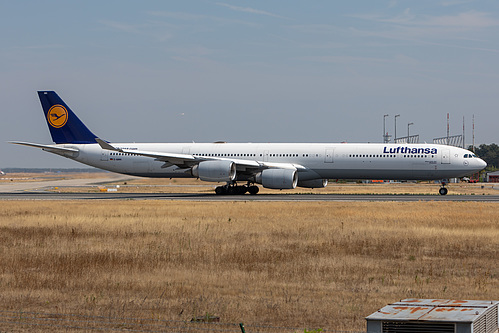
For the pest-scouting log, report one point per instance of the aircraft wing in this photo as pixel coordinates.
(180, 160)
(188, 160)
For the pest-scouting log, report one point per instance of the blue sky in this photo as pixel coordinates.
(248, 71)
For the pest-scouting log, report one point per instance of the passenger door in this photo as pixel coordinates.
(445, 156)
(328, 155)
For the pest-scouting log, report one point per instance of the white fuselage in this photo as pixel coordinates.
(316, 160)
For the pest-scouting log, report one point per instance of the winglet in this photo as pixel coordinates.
(105, 145)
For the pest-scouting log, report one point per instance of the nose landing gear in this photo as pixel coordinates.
(443, 189)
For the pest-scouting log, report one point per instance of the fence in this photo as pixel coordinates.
(58, 322)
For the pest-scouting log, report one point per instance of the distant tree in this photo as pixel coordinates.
(488, 153)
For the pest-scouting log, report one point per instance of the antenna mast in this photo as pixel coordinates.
(473, 145)
(464, 145)
(447, 128)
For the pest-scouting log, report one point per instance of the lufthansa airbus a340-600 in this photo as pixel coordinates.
(273, 165)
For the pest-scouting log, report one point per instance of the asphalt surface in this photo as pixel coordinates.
(43, 190)
(26, 195)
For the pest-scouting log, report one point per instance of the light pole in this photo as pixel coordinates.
(385, 137)
(408, 125)
(395, 137)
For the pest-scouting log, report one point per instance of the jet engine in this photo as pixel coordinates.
(215, 171)
(278, 178)
(314, 183)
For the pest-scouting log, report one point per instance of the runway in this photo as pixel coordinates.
(44, 190)
(246, 197)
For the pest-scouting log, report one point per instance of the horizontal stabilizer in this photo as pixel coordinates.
(45, 147)
(55, 149)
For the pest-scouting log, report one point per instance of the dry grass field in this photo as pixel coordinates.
(46, 176)
(316, 265)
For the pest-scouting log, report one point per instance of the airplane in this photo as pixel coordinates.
(272, 165)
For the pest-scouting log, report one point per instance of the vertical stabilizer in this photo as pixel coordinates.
(64, 125)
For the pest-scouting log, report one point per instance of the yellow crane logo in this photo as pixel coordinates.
(57, 116)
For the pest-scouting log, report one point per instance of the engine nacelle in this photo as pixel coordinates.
(278, 178)
(215, 171)
(314, 183)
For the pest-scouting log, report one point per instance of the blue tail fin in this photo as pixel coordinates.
(64, 125)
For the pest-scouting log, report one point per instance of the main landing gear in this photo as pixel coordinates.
(233, 188)
(443, 189)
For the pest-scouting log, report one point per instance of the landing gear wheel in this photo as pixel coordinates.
(253, 189)
(233, 189)
(442, 191)
(241, 190)
(220, 190)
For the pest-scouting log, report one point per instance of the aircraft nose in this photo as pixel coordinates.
(482, 163)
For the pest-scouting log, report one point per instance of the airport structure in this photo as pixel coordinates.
(435, 315)
(493, 177)
(454, 140)
(448, 140)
